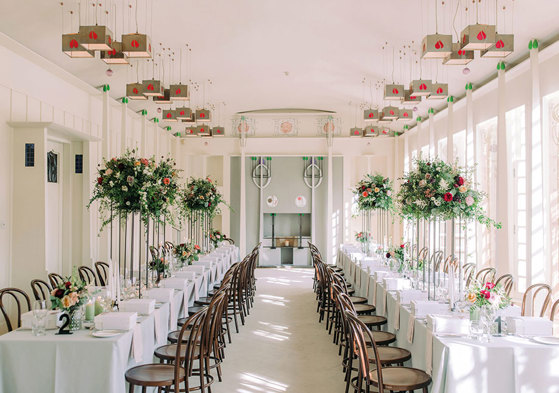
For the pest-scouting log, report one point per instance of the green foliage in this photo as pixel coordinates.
(374, 192)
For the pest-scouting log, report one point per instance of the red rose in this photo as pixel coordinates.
(460, 181)
(448, 197)
(402, 246)
(166, 181)
(99, 180)
(485, 294)
(489, 285)
(67, 284)
(365, 194)
(59, 293)
(196, 247)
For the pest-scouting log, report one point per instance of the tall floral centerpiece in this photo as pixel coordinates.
(69, 296)
(200, 203)
(435, 191)
(135, 189)
(374, 193)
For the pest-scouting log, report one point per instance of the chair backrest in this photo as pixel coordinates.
(437, 259)
(358, 331)
(102, 269)
(87, 275)
(468, 270)
(450, 261)
(41, 290)
(55, 279)
(536, 293)
(422, 255)
(554, 310)
(507, 282)
(193, 325)
(18, 296)
(486, 275)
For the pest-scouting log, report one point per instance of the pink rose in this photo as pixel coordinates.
(469, 200)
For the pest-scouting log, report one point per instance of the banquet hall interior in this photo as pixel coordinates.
(266, 197)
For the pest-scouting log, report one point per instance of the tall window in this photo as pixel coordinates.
(486, 176)
(516, 132)
(551, 128)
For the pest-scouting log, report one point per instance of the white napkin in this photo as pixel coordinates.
(429, 352)
(510, 311)
(420, 308)
(116, 320)
(449, 324)
(396, 283)
(141, 306)
(406, 296)
(411, 328)
(190, 275)
(530, 326)
(52, 320)
(396, 315)
(137, 344)
(162, 295)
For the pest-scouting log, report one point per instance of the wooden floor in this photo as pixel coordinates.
(282, 347)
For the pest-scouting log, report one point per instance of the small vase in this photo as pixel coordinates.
(76, 320)
(158, 279)
(487, 319)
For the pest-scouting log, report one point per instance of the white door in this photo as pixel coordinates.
(54, 212)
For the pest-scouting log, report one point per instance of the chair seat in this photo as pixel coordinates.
(401, 378)
(337, 269)
(372, 320)
(193, 310)
(203, 301)
(153, 375)
(169, 352)
(364, 308)
(358, 299)
(350, 291)
(389, 355)
(381, 338)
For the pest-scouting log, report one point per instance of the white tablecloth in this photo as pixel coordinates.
(459, 364)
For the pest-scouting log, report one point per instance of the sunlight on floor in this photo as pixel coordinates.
(260, 384)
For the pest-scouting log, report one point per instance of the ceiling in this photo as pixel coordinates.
(267, 54)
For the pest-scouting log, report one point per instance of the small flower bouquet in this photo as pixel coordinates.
(159, 265)
(396, 252)
(216, 237)
(362, 237)
(69, 296)
(487, 295)
(374, 192)
(186, 253)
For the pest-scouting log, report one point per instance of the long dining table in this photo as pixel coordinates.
(83, 363)
(456, 363)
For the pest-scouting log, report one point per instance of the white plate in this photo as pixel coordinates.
(546, 340)
(105, 333)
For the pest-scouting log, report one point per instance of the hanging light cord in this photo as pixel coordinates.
(436, 17)
(136, 16)
(454, 20)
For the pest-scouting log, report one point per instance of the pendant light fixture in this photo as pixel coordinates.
(115, 55)
(153, 87)
(179, 91)
(458, 56)
(135, 91)
(95, 37)
(436, 46)
(355, 132)
(370, 131)
(183, 113)
(477, 36)
(203, 115)
(410, 99)
(191, 131)
(406, 114)
(203, 130)
(390, 113)
(137, 45)
(170, 115)
(217, 130)
(70, 42)
(393, 91)
(504, 43)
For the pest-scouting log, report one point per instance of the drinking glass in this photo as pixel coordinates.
(476, 330)
(39, 323)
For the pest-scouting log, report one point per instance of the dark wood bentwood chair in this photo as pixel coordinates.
(394, 379)
(55, 279)
(87, 275)
(20, 298)
(486, 275)
(41, 289)
(102, 269)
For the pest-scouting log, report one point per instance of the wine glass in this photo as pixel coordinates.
(40, 312)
